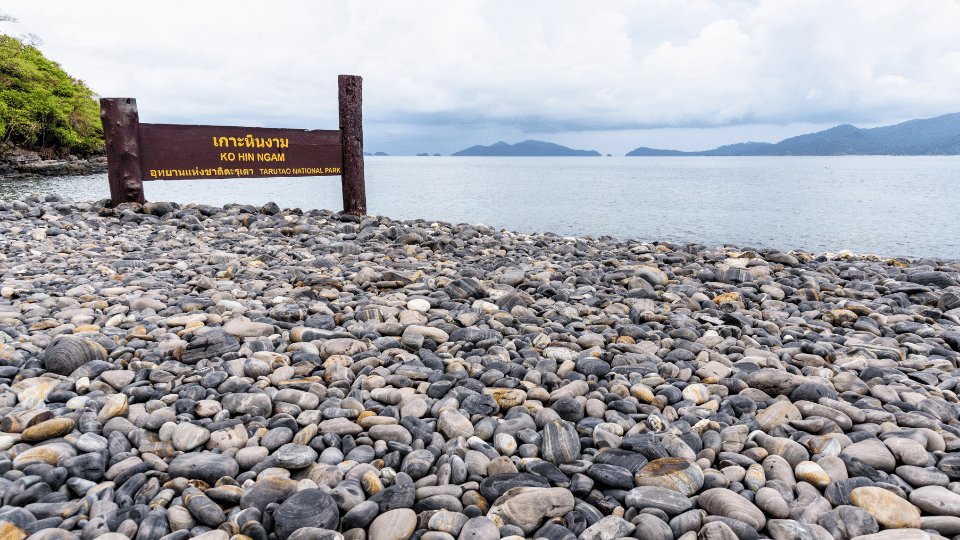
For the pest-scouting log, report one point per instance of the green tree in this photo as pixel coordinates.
(42, 107)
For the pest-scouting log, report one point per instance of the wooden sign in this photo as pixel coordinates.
(178, 152)
(143, 152)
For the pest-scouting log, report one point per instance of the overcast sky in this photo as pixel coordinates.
(441, 76)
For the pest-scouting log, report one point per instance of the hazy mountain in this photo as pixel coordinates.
(938, 136)
(525, 148)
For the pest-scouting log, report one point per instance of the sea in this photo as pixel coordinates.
(890, 206)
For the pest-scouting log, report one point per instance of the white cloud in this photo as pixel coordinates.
(518, 67)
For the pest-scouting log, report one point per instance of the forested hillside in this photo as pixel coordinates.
(42, 108)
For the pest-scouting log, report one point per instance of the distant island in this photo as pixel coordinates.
(938, 136)
(525, 148)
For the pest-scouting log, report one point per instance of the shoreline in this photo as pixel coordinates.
(783, 225)
(208, 372)
(22, 164)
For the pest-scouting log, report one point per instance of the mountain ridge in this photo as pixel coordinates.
(939, 136)
(528, 148)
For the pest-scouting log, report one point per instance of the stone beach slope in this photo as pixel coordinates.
(249, 373)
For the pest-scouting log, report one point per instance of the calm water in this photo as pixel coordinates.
(891, 206)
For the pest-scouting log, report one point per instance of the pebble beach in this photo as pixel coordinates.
(171, 372)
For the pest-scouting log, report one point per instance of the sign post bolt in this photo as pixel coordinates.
(351, 142)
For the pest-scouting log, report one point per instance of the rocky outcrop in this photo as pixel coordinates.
(24, 164)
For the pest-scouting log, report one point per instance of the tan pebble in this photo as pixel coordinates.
(371, 484)
(888, 509)
(86, 328)
(813, 473)
(49, 429)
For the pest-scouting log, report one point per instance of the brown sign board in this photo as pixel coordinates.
(142, 152)
(186, 152)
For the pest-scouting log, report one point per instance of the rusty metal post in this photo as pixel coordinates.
(351, 141)
(121, 133)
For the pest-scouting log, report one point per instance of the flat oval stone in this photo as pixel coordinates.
(479, 528)
(493, 487)
(888, 509)
(396, 524)
(295, 456)
(396, 496)
(726, 503)
(944, 525)
(781, 412)
(789, 528)
(338, 426)
(507, 397)
(50, 454)
(307, 508)
(669, 501)
(360, 516)
(252, 404)
(417, 463)
(677, 474)
(526, 507)
(68, 353)
(872, 452)
(561, 444)
(813, 473)
(922, 476)
(202, 508)
(204, 466)
(611, 475)
(936, 500)
(771, 502)
(447, 522)
(453, 424)
(348, 493)
(91, 442)
(50, 429)
(272, 489)
(187, 436)
(394, 433)
(838, 493)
